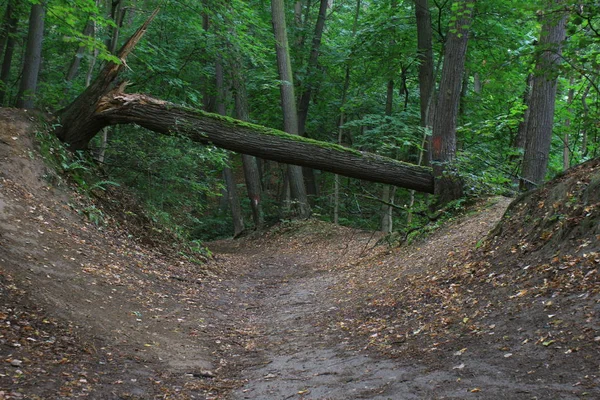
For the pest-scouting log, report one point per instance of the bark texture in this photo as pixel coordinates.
(543, 96)
(249, 163)
(168, 118)
(288, 102)
(425, 57)
(78, 125)
(33, 57)
(443, 141)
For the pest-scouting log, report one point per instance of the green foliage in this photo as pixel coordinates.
(389, 135)
(176, 178)
(180, 181)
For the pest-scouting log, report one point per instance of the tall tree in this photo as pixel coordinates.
(117, 14)
(342, 120)
(76, 61)
(249, 163)
(311, 68)
(33, 57)
(389, 192)
(288, 102)
(308, 87)
(425, 57)
(543, 94)
(443, 141)
(232, 194)
(7, 45)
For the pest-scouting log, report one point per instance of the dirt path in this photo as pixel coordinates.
(307, 310)
(297, 355)
(288, 301)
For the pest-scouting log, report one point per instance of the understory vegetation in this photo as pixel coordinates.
(360, 75)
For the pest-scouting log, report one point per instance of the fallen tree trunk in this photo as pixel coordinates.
(77, 123)
(167, 118)
(99, 106)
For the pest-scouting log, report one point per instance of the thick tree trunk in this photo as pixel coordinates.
(241, 137)
(443, 141)
(288, 102)
(33, 57)
(99, 106)
(543, 95)
(78, 125)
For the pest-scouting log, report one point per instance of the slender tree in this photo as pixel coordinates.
(76, 61)
(543, 95)
(308, 88)
(249, 163)
(311, 68)
(342, 120)
(288, 102)
(11, 22)
(232, 194)
(425, 57)
(33, 57)
(389, 192)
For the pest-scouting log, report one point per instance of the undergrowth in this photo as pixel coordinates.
(97, 199)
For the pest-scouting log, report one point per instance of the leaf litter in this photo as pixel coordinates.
(94, 311)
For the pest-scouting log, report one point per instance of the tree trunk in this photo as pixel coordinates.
(448, 186)
(311, 68)
(98, 106)
(288, 102)
(234, 202)
(387, 211)
(117, 14)
(11, 25)
(425, 57)
(336, 189)
(241, 137)
(519, 142)
(249, 163)
(586, 112)
(543, 95)
(33, 57)
(566, 149)
(78, 125)
(387, 199)
(232, 195)
(74, 67)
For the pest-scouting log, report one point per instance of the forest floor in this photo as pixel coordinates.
(306, 310)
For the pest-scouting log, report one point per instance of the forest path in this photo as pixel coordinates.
(294, 352)
(304, 310)
(298, 356)
(286, 294)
